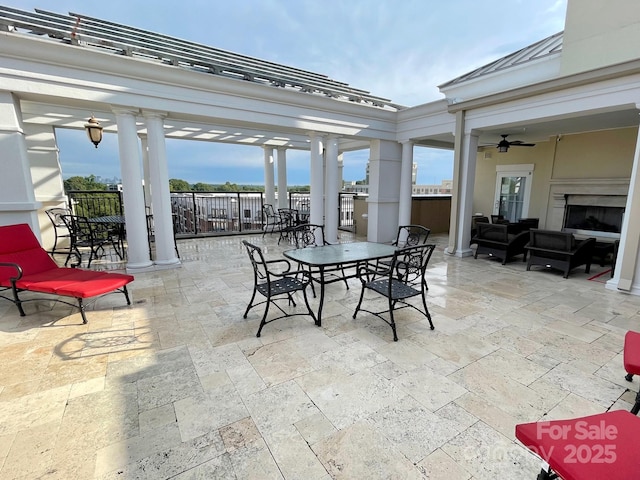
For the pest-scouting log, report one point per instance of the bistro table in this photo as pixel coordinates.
(114, 224)
(345, 254)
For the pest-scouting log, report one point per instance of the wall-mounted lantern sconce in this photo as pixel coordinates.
(94, 130)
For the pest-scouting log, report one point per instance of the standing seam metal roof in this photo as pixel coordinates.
(545, 47)
(77, 29)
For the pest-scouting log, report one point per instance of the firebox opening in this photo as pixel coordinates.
(594, 218)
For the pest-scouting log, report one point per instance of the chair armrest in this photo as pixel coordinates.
(18, 270)
(279, 260)
(520, 239)
(585, 243)
(548, 250)
(294, 273)
(368, 272)
(585, 247)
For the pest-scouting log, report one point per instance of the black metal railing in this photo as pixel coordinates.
(202, 213)
(91, 203)
(207, 213)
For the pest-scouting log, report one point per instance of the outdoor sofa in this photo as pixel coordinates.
(559, 250)
(495, 240)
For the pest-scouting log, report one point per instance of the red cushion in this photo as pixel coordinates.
(52, 280)
(31, 261)
(93, 287)
(632, 352)
(19, 245)
(596, 447)
(16, 238)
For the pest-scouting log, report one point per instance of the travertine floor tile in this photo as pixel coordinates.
(178, 386)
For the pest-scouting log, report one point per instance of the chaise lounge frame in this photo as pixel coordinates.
(26, 267)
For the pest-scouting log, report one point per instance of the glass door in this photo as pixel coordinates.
(513, 191)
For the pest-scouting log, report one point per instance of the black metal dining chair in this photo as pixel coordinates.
(89, 236)
(288, 222)
(60, 230)
(276, 285)
(309, 235)
(272, 220)
(407, 236)
(403, 279)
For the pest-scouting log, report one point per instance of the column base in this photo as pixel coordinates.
(460, 252)
(140, 267)
(167, 264)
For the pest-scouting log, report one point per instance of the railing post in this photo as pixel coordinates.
(194, 213)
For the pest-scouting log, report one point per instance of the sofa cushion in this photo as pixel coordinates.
(563, 242)
(492, 232)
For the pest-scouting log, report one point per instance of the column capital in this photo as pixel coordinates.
(121, 110)
(316, 135)
(154, 114)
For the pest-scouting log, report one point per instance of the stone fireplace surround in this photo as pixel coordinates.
(606, 192)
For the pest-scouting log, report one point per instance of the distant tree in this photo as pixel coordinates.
(177, 185)
(227, 187)
(203, 187)
(83, 183)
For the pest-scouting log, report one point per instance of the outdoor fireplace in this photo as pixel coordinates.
(594, 215)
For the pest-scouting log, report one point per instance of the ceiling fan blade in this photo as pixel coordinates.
(522, 144)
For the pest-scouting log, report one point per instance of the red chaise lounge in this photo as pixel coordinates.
(26, 266)
(595, 447)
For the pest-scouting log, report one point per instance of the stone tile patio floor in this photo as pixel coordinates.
(178, 386)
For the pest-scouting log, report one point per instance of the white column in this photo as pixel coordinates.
(316, 175)
(627, 271)
(384, 190)
(269, 187)
(159, 178)
(17, 197)
(331, 193)
(462, 196)
(340, 170)
(132, 195)
(406, 176)
(145, 174)
(282, 178)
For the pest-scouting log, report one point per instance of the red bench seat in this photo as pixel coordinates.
(26, 266)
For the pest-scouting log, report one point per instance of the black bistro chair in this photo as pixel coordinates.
(272, 220)
(88, 235)
(60, 229)
(288, 222)
(275, 285)
(403, 279)
(309, 235)
(410, 235)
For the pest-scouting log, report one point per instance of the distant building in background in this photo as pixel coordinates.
(443, 189)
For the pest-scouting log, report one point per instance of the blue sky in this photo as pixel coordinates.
(397, 49)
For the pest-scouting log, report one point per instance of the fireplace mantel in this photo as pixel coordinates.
(561, 189)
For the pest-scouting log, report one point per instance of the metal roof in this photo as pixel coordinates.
(82, 30)
(548, 46)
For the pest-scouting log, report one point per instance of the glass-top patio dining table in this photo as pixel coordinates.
(327, 257)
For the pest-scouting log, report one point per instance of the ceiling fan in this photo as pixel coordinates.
(504, 144)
